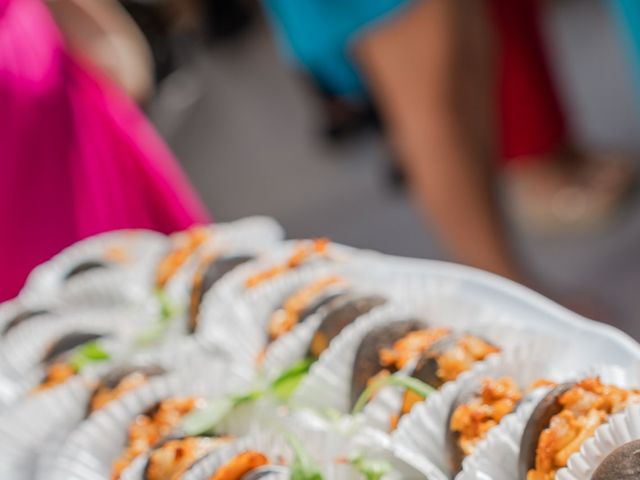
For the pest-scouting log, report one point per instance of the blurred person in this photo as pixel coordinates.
(430, 67)
(556, 185)
(78, 158)
(627, 12)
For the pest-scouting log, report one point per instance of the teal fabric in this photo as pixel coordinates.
(317, 35)
(628, 14)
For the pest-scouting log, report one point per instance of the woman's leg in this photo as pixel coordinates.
(430, 70)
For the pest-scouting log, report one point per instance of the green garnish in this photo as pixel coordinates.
(207, 418)
(369, 468)
(410, 383)
(90, 352)
(158, 329)
(287, 382)
(303, 467)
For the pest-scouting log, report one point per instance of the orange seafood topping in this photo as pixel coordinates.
(186, 243)
(458, 359)
(240, 465)
(148, 429)
(286, 318)
(196, 287)
(474, 419)
(585, 407)
(174, 458)
(57, 374)
(105, 395)
(302, 253)
(411, 346)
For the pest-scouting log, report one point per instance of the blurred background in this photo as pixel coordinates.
(250, 134)
(259, 132)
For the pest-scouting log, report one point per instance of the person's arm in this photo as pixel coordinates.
(430, 72)
(103, 32)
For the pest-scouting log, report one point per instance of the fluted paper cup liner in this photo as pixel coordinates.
(237, 325)
(137, 248)
(328, 384)
(271, 444)
(226, 299)
(621, 428)
(32, 431)
(332, 443)
(424, 430)
(23, 348)
(497, 456)
(89, 452)
(252, 236)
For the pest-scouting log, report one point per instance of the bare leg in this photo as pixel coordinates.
(430, 70)
(103, 32)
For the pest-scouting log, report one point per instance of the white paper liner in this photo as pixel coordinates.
(620, 429)
(11, 308)
(32, 431)
(225, 303)
(90, 450)
(292, 347)
(423, 431)
(253, 236)
(271, 444)
(328, 384)
(497, 457)
(331, 442)
(140, 248)
(23, 348)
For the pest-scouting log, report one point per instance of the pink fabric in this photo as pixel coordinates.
(76, 157)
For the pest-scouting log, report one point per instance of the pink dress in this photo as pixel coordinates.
(76, 156)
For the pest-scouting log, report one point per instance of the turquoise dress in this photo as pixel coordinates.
(318, 36)
(628, 13)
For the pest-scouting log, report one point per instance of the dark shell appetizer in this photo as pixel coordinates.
(211, 269)
(303, 303)
(563, 421)
(389, 348)
(56, 360)
(432, 355)
(118, 382)
(478, 408)
(150, 428)
(183, 246)
(621, 464)
(340, 313)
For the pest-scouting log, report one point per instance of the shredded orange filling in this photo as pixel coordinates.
(105, 395)
(196, 288)
(174, 458)
(473, 420)
(187, 242)
(584, 408)
(458, 359)
(148, 429)
(57, 374)
(286, 318)
(411, 346)
(302, 253)
(240, 465)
